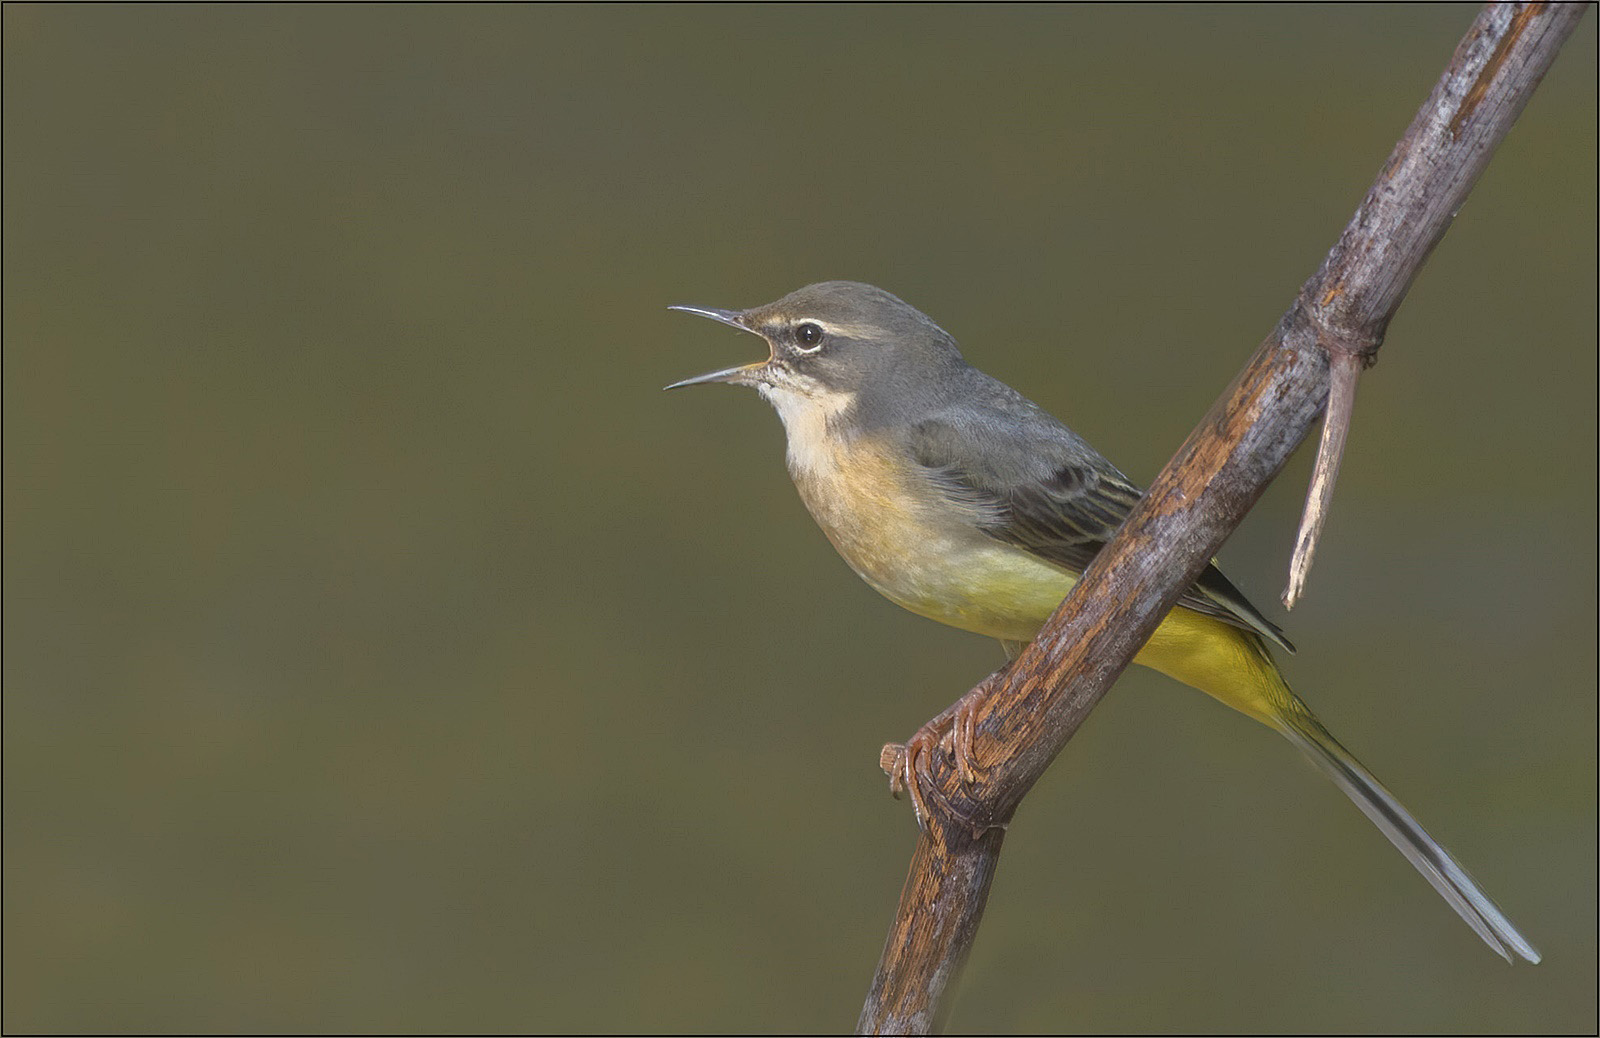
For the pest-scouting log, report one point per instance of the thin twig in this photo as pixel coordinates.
(1023, 716)
(1343, 373)
(1407, 211)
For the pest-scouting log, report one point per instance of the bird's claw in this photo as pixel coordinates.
(907, 764)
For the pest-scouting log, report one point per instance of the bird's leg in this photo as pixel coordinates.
(954, 731)
(907, 765)
(960, 740)
(1012, 649)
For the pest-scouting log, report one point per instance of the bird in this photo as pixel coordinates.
(957, 498)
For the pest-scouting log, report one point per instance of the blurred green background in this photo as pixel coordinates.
(384, 651)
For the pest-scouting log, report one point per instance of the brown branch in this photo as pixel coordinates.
(1410, 206)
(1022, 717)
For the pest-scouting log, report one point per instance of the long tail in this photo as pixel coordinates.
(1237, 668)
(1422, 850)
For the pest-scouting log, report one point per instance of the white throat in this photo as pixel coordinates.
(806, 419)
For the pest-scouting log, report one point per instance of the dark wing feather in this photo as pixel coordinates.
(1041, 488)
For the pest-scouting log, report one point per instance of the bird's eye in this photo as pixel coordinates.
(809, 335)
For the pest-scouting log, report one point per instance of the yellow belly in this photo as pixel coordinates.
(927, 555)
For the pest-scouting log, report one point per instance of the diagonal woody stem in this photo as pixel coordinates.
(1025, 714)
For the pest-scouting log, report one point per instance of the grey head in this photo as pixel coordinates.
(839, 341)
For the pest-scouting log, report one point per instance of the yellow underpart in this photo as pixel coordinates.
(1226, 663)
(928, 555)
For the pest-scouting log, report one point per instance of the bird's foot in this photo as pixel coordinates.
(907, 764)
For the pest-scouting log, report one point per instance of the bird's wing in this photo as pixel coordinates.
(1038, 486)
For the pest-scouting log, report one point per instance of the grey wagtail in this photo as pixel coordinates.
(959, 499)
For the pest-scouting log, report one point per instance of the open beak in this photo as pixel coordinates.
(744, 374)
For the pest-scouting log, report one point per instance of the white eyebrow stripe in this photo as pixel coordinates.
(852, 331)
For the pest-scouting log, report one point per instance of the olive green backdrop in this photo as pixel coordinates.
(384, 651)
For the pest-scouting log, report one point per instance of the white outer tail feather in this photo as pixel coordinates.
(1423, 851)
